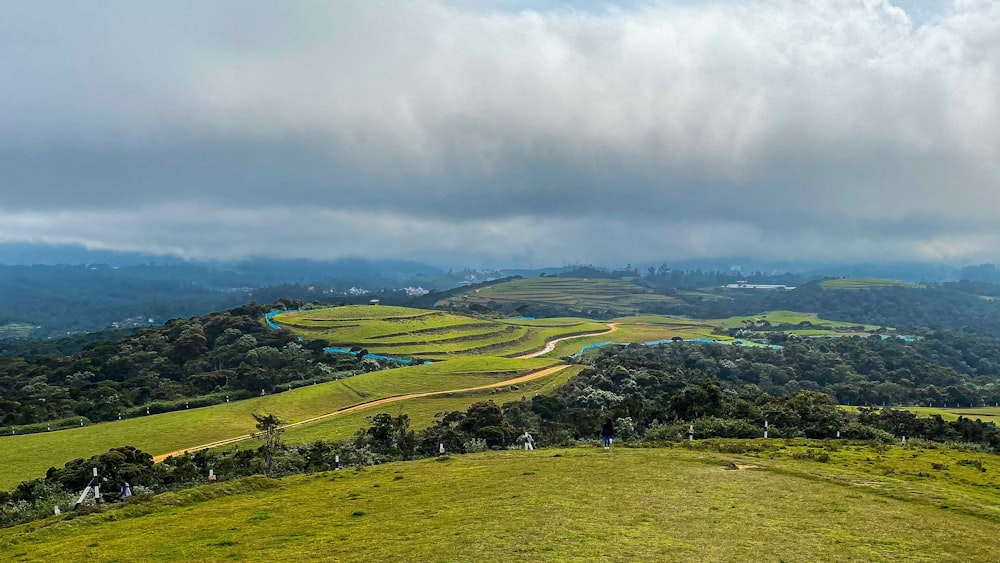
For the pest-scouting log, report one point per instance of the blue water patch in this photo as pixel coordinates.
(520, 318)
(903, 338)
(403, 361)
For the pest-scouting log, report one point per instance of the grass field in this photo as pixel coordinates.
(583, 504)
(576, 293)
(794, 318)
(434, 335)
(646, 328)
(986, 414)
(866, 283)
(421, 411)
(29, 455)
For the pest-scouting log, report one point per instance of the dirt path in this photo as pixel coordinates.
(551, 344)
(520, 379)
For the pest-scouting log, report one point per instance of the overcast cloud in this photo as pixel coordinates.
(460, 132)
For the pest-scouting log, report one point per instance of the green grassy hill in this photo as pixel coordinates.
(866, 283)
(385, 330)
(576, 293)
(29, 455)
(801, 501)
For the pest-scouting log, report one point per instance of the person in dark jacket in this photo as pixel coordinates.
(607, 431)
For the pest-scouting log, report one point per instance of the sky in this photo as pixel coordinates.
(505, 132)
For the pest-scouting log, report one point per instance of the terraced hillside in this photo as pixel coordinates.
(434, 335)
(582, 294)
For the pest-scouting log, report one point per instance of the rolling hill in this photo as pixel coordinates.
(580, 294)
(773, 501)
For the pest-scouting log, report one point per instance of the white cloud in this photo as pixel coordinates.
(832, 119)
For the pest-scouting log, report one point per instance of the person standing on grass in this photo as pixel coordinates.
(126, 491)
(607, 431)
(529, 442)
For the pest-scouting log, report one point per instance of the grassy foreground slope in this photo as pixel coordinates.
(27, 456)
(668, 504)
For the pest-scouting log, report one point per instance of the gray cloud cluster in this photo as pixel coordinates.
(450, 131)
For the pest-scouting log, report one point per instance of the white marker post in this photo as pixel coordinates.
(211, 475)
(765, 429)
(94, 485)
(904, 441)
(838, 433)
(690, 432)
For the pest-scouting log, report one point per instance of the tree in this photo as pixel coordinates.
(270, 432)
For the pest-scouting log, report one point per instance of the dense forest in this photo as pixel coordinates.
(960, 305)
(185, 363)
(942, 368)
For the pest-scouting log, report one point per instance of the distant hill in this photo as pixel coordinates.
(54, 291)
(592, 296)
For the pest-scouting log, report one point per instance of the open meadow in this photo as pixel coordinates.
(866, 283)
(986, 414)
(706, 501)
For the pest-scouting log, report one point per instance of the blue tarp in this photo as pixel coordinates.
(375, 356)
(267, 319)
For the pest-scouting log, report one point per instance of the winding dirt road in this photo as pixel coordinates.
(521, 379)
(549, 346)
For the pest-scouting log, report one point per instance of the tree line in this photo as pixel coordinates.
(186, 363)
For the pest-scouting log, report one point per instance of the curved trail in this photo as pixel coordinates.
(520, 379)
(551, 344)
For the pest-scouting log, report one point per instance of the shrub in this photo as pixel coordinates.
(475, 445)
